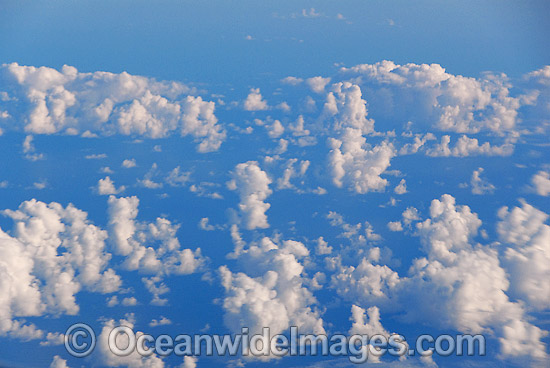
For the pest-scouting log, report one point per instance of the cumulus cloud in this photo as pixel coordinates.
(132, 360)
(527, 257)
(106, 186)
(135, 239)
(102, 103)
(466, 146)
(252, 184)
(254, 101)
(449, 102)
(317, 84)
(270, 292)
(459, 284)
(479, 184)
(53, 253)
(358, 166)
(541, 183)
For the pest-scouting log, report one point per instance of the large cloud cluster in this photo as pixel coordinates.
(461, 284)
(53, 252)
(46, 101)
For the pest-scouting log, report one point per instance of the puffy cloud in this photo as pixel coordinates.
(43, 229)
(450, 102)
(106, 186)
(101, 103)
(354, 164)
(466, 146)
(134, 239)
(527, 257)
(317, 84)
(367, 283)
(271, 293)
(189, 362)
(58, 362)
(541, 183)
(52, 254)
(395, 226)
(461, 284)
(132, 360)
(401, 188)
(254, 101)
(480, 185)
(347, 108)
(252, 185)
(129, 163)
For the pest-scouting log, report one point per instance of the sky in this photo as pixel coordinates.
(345, 167)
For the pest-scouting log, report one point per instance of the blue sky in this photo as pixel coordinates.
(230, 164)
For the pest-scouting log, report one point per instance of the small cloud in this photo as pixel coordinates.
(163, 321)
(128, 163)
(40, 185)
(95, 156)
(254, 101)
(129, 302)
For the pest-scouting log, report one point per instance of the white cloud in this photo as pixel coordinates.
(275, 295)
(254, 101)
(459, 284)
(480, 185)
(466, 146)
(37, 279)
(541, 183)
(253, 186)
(106, 187)
(395, 226)
(129, 301)
(129, 163)
(189, 362)
(317, 84)
(354, 164)
(163, 321)
(527, 258)
(148, 247)
(449, 102)
(71, 102)
(132, 360)
(401, 188)
(58, 362)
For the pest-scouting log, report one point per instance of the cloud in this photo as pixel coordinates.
(527, 257)
(58, 362)
(148, 247)
(448, 102)
(317, 84)
(102, 103)
(357, 166)
(466, 146)
(252, 185)
(129, 163)
(541, 183)
(106, 187)
(38, 277)
(459, 284)
(480, 185)
(132, 360)
(271, 293)
(401, 188)
(254, 101)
